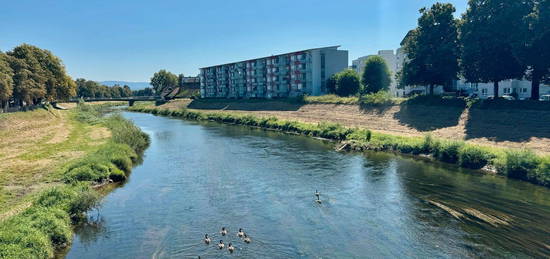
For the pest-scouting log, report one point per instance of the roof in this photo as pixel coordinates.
(329, 47)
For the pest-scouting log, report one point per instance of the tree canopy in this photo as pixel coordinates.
(163, 79)
(347, 83)
(534, 50)
(376, 75)
(432, 48)
(29, 75)
(489, 31)
(88, 88)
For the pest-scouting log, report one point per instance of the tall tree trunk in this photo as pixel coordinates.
(431, 89)
(535, 86)
(495, 89)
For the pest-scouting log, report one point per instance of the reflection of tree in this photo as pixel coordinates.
(91, 229)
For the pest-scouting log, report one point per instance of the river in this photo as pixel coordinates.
(197, 177)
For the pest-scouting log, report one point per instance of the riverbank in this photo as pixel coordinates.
(511, 124)
(52, 160)
(513, 163)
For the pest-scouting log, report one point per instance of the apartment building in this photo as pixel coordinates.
(285, 75)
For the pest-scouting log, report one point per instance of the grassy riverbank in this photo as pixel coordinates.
(519, 164)
(41, 221)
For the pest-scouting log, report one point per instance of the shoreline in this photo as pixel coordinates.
(513, 163)
(44, 227)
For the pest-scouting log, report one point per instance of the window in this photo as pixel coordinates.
(507, 90)
(484, 91)
(523, 90)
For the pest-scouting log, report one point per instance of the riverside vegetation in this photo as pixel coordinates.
(46, 224)
(514, 163)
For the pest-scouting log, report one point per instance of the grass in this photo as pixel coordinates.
(46, 225)
(523, 165)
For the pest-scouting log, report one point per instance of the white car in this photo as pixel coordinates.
(508, 97)
(545, 98)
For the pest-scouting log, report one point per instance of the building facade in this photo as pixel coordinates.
(190, 82)
(520, 89)
(285, 75)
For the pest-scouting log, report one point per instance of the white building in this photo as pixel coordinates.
(521, 88)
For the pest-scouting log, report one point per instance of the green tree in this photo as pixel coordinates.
(376, 75)
(488, 32)
(163, 79)
(180, 80)
(347, 83)
(126, 91)
(534, 50)
(331, 84)
(432, 48)
(6, 81)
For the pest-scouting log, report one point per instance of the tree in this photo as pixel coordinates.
(347, 83)
(432, 48)
(534, 50)
(163, 79)
(6, 81)
(331, 84)
(488, 33)
(180, 80)
(126, 91)
(147, 91)
(376, 75)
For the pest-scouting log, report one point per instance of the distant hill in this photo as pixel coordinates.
(132, 85)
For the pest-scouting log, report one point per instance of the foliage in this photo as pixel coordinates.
(347, 83)
(88, 88)
(534, 50)
(487, 44)
(380, 98)
(536, 168)
(6, 79)
(376, 76)
(331, 84)
(163, 79)
(147, 91)
(330, 98)
(432, 48)
(38, 75)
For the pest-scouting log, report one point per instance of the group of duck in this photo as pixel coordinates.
(230, 246)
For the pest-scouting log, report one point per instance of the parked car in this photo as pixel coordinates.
(545, 98)
(508, 97)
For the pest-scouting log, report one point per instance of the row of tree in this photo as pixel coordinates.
(30, 75)
(376, 77)
(494, 40)
(88, 88)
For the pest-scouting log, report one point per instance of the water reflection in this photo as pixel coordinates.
(196, 178)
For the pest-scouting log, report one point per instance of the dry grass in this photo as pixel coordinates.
(497, 128)
(34, 145)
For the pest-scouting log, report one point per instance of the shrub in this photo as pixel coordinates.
(541, 174)
(448, 151)
(54, 222)
(473, 157)
(519, 164)
(23, 241)
(381, 98)
(376, 76)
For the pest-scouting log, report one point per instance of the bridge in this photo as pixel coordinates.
(131, 100)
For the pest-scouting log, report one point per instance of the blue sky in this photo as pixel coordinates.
(131, 39)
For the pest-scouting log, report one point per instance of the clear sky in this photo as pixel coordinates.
(131, 39)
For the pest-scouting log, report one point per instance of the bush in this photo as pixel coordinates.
(380, 98)
(54, 222)
(347, 83)
(473, 157)
(23, 241)
(448, 151)
(519, 164)
(541, 174)
(376, 76)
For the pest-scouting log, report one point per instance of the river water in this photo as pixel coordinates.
(198, 177)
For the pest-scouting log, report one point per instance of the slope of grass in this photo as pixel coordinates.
(46, 224)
